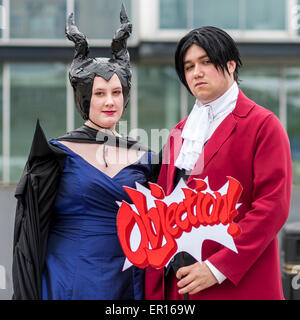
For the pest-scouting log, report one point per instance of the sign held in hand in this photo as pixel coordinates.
(156, 227)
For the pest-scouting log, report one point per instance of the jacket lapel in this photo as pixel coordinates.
(222, 133)
(171, 154)
(219, 137)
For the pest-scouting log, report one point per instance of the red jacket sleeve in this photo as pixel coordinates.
(271, 194)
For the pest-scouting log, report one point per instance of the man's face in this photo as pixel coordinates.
(206, 82)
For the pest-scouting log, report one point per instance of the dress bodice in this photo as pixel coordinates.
(84, 257)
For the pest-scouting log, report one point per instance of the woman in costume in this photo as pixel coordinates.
(82, 258)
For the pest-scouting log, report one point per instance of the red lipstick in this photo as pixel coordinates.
(109, 113)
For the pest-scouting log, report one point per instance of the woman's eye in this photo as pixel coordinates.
(99, 93)
(188, 68)
(117, 92)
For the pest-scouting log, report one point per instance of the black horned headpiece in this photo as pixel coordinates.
(83, 69)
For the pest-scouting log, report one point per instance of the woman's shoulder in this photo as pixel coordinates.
(55, 143)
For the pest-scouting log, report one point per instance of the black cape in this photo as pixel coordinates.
(36, 193)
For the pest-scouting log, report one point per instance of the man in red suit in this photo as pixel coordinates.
(226, 135)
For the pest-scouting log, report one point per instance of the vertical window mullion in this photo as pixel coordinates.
(6, 123)
(134, 99)
(292, 13)
(5, 30)
(70, 5)
(190, 14)
(70, 121)
(242, 15)
(283, 98)
(183, 102)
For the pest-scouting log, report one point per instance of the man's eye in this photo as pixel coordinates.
(188, 68)
(206, 61)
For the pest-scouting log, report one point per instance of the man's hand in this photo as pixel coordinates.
(195, 278)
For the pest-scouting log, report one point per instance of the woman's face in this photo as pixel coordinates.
(106, 104)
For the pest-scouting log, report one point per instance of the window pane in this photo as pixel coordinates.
(158, 100)
(293, 105)
(78, 119)
(222, 14)
(298, 21)
(191, 102)
(262, 85)
(123, 126)
(265, 14)
(1, 18)
(99, 19)
(38, 91)
(173, 14)
(37, 19)
(1, 133)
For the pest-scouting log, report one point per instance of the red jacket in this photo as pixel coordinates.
(251, 146)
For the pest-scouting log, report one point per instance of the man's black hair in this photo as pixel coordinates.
(219, 46)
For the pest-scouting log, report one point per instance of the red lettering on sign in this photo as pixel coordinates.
(164, 223)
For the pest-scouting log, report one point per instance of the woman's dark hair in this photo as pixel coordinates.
(218, 45)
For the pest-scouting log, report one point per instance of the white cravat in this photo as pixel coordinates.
(201, 124)
(199, 127)
(194, 135)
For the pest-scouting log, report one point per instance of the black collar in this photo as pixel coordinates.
(86, 134)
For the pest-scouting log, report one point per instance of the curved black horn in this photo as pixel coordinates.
(119, 42)
(79, 39)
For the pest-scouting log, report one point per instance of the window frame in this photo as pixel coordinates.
(241, 35)
(63, 42)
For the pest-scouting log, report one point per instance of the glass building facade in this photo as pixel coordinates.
(229, 14)
(38, 91)
(97, 18)
(37, 19)
(31, 89)
(40, 19)
(35, 57)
